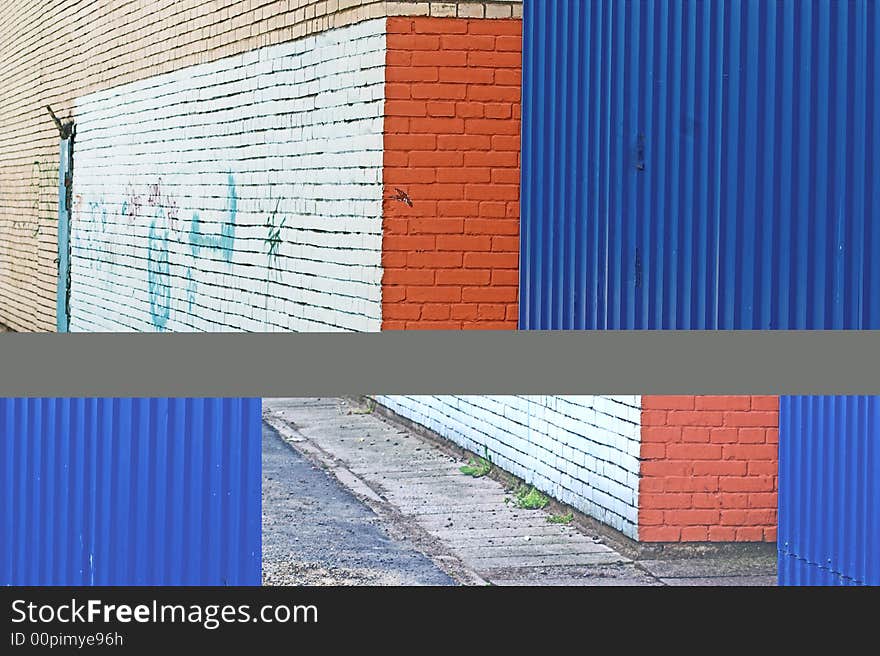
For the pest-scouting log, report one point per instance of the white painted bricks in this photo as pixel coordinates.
(582, 450)
(244, 194)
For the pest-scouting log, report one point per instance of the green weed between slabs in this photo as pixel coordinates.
(476, 467)
(368, 408)
(529, 498)
(561, 519)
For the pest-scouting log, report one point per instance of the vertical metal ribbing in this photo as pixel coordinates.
(130, 491)
(757, 205)
(829, 528)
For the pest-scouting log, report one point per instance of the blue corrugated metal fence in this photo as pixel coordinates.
(700, 165)
(829, 490)
(130, 492)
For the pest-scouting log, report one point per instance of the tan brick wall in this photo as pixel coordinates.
(53, 51)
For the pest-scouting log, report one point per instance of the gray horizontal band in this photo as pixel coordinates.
(447, 362)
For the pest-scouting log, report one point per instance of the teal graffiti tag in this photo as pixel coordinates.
(223, 241)
(226, 239)
(273, 242)
(86, 236)
(159, 276)
(190, 290)
(273, 239)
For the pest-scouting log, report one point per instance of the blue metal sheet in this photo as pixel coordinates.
(829, 490)
(130, 492)
(700, 165)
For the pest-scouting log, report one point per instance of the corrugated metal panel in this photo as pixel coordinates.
(130, 491)
(829, 490)
(700, 165)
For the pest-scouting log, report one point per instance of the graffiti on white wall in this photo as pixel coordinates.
(244, 194)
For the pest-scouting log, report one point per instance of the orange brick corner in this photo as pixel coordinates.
(709, 469)
(452, 144)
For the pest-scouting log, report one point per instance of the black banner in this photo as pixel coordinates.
(61, 620)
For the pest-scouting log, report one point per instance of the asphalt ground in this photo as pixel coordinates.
(317, 532)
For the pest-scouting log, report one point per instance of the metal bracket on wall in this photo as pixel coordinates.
(65, 128)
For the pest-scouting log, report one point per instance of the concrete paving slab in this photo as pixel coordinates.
(444, 510)
(721, 581)
(625, 574)
(517, 542)
(477, 521)
(485, 563)
(716, 566)
(536, 548)
(503, 532)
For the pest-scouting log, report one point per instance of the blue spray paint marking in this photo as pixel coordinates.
(159, 276)
(225, 240)
(159, 266)
(158, 258)
(190, 290)
(86, 238)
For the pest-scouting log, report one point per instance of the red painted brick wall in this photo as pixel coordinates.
(709, 468)
(452, 125)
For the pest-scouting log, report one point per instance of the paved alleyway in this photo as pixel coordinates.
(316, 532)
(461, 523)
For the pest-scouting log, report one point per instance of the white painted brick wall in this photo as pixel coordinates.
(289, 133)
(582, 450)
